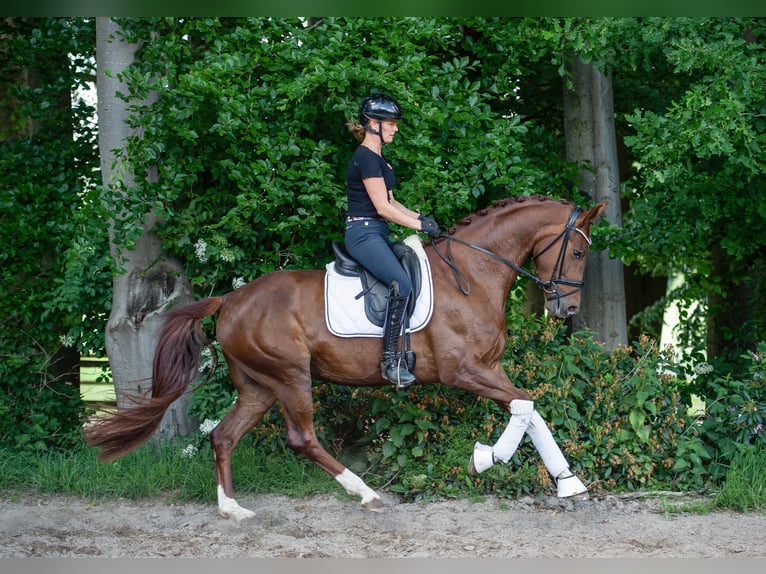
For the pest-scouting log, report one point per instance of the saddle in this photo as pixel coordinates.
(374, 291)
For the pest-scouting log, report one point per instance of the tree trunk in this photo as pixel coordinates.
(146, 283)
(591, 142)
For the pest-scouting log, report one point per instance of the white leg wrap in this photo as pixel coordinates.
(485, 456)
(355, 485)
(228, 507)
(567, 483)
(506, 445)
(546, 445)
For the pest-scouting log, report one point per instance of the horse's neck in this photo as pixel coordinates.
(512, 239)
(511, 242)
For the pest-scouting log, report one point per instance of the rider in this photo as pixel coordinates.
(371, 206)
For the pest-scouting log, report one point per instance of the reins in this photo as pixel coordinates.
(549, 287)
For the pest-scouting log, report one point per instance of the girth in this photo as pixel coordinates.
(374, 291)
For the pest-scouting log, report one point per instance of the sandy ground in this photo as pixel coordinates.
(330, 526)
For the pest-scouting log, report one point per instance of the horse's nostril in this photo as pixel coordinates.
(572, 310)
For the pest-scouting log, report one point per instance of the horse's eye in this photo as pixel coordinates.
(577, 254)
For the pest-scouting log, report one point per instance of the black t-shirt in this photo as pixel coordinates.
(365, 163)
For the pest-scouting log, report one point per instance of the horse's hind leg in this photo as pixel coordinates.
(301, 438)
(252, 403)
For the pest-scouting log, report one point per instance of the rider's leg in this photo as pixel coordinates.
(393, 367)
(367, 242)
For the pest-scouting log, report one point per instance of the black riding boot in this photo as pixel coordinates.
(393, 368)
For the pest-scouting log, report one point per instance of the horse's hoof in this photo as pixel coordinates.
(571, 487)
(374, 505)
(481, 459)
(236, 512)
(582, 496)
(244, 514)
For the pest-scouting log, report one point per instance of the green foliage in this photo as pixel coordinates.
(46, 165)
(699, 167)
(263, 102)
(214, 392)
(38, 409)
(735, 411)
(745, 486)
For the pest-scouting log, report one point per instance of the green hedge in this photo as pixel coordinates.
(622, 419)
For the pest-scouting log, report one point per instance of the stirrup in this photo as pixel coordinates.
(399, 376)
(401, 382)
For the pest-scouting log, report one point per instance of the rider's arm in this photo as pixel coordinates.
(390, 210)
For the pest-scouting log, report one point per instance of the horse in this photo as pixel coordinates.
(273, 334)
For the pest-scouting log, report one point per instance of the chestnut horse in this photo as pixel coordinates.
(275, 340)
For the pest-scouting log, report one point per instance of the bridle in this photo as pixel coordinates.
(549, 287)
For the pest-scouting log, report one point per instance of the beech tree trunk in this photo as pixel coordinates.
(146, 282)
(591, 142)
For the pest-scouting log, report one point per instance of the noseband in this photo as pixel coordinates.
(549, 287)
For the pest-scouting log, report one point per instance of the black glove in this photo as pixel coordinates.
(429, 226)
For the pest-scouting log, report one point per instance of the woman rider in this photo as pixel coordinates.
(371, 206)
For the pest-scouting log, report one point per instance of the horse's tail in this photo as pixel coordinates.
(176, 364)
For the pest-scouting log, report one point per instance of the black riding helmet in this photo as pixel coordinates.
(378, 107)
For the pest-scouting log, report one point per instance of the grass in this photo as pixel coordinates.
(265, 467)
(152, 470)
(745, 486)
(743, 491)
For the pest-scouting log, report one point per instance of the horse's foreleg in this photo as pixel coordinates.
(525, 419)
(484, 456)
(247, 411)
(567, 484)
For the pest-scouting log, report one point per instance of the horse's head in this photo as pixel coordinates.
(560, 258)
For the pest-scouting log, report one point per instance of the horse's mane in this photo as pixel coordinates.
(506, 203)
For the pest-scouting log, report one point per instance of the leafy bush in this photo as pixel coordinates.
(37, 409)
(47, 165)
(621, 418)
(735, 410)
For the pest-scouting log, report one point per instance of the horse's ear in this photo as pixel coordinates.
(590, 216)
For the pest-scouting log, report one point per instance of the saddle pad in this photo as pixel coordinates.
(345, 314)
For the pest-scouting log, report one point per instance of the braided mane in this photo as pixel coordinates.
(503, 203)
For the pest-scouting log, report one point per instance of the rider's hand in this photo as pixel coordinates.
(429, 226)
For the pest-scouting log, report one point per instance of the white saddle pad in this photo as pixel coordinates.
(345, 314)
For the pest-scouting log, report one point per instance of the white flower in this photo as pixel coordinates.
(237, 282)
(703, 369)
(200, 249)
(207, 426)
(189, 451)
(66, 340)
(227, 255)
